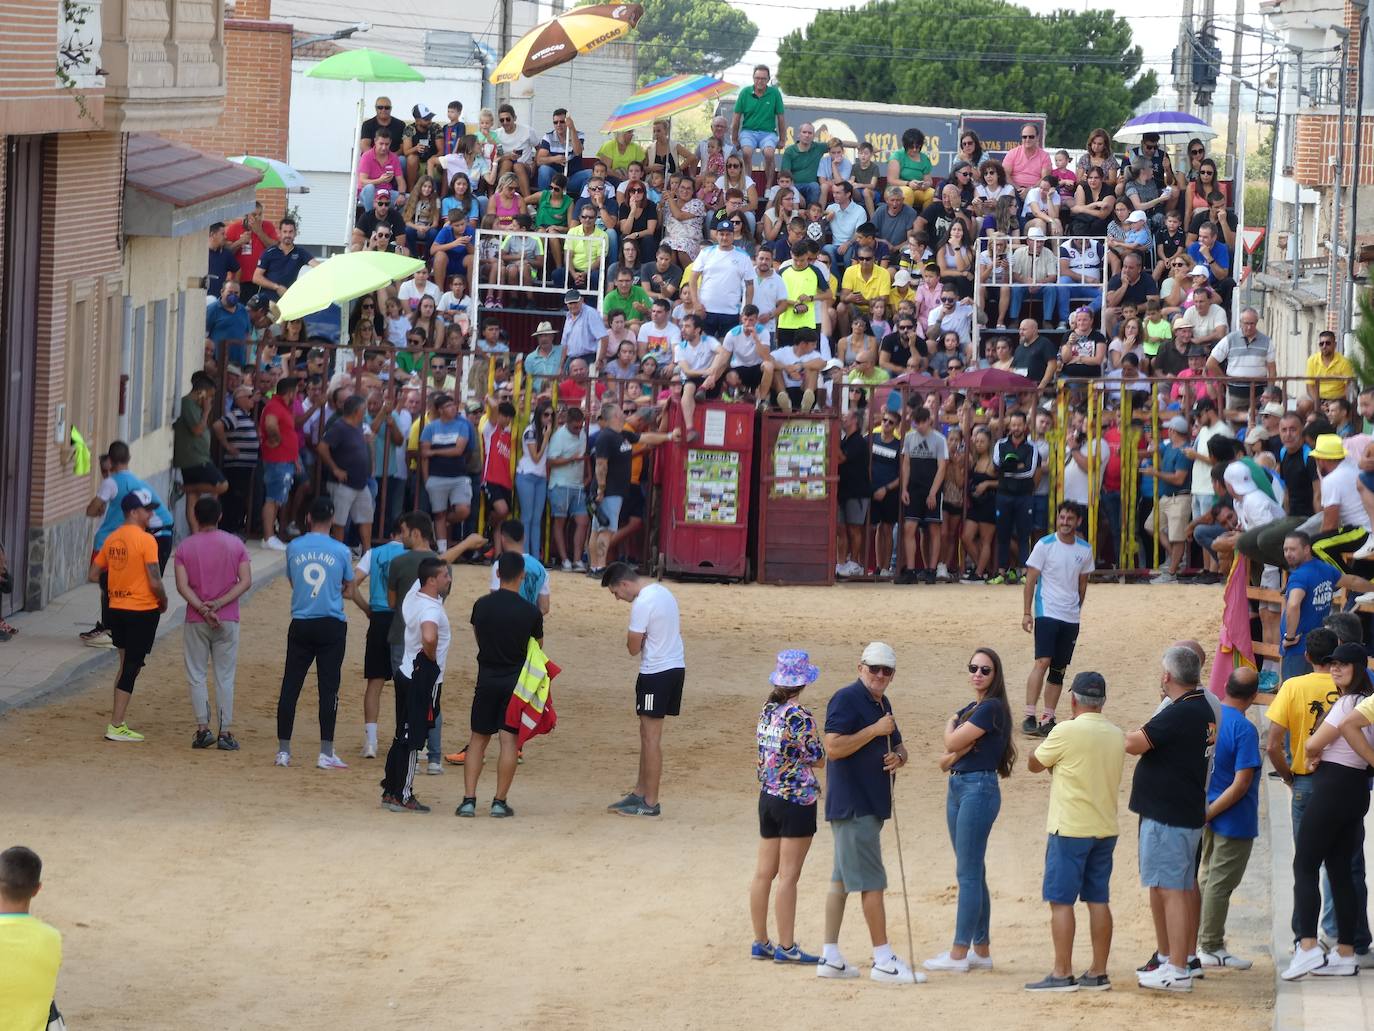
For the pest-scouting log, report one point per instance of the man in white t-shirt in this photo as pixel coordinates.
(517, 147)
(658, 338)
(1056, 584)
(1206, 318)
(798, 371)
(655, 635)
(1209, 425)
(694, 360)
(419, 681)
(722, 281)
(1345, 524)
(770, 292)
(745, 352)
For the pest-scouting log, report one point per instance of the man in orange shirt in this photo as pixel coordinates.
(137, 600)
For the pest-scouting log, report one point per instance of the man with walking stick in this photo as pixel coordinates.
(863, 748)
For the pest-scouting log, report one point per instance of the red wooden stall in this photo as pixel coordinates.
(799, 465)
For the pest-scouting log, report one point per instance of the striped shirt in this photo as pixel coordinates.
(241, 430)
(1244, 359)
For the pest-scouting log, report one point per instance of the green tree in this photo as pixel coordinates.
(680, 36)
(1078, 67)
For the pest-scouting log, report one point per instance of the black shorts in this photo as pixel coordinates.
(779, 818)
(134, 632)
(659, 694)
(917, 508)
(1055, 640)
(702, 392)
(750, 376)
(717, 323)
(489, 704)
(889, 510)
(377, 650)
(202, 476)
(496, 492)
(164, 551)
(632, 507)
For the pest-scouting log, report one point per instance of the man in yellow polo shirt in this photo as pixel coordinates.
(863, 281)
(585, 243)
(30, 950)
(1326, 362)
(1086, 755)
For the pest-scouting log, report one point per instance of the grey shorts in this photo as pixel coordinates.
(351, 505)
(854, 512)
(1168, 855)
(447, 492)
(859, 854)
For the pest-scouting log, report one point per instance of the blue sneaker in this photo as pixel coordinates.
(794, 955)
(762, 950)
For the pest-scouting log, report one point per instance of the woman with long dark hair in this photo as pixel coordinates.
(978, 750)
(532, 475)
(790, 753)
(1330, 830)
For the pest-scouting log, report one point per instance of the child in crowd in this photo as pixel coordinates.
(397, 324)
(455, 307)
(864, 176)
(707, 191)
(1158, 332)
(1168, 243)
(1064, 176)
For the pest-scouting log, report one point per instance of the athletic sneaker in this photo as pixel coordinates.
(567, 565)
(630, 801)
(203, 739)
(500, 810)
(282, 759)
(1153, 963)
(1043, 729)
(468, 807)
(947, 963)
(794, 955)
(1338, 966)
(1166, 978)
(1028, 725)
(970, 577)
(1164, 577)
(1195, 967)
(121, 733)
(999, 580)
(1304, 962)
(641, 808)
(908, 576)
(1094, 983)
(226, 742)
(579, 567)
(434, 768)
(410, 805)
(840, 969)
(1222, 958)
(977, 962)
(762, 950)
(894, 971)
(330, 762)
(1050, 983)
(275, 543)
(808, 400)
(97, 636)
(458, 758)
(369, 748)
(942, 573)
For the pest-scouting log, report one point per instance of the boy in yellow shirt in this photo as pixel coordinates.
(30, 950)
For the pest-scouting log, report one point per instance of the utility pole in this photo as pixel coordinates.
(1233, 104)
(1183, 59)
(1208, 10)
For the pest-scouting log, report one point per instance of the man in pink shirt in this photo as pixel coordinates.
(1028, 163)
(378, 168)
(212, 570)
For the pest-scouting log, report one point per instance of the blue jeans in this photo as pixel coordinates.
(531, 489)
(418, 243)
(1302, 791)
(1206, 535)
(811, 192)
(838, 262)
(577, 182)
(1109, 509)
(1071, 289)
(1013, 517)
(1049, 298)
(1294, 664)
(971, 808)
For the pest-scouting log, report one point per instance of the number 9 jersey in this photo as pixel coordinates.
(317, 566)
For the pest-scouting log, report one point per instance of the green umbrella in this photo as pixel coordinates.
(365, 65)
(276, 175)
(340, 279)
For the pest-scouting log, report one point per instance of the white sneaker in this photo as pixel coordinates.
(1304, 962)
(1164, 577)
(896, 972)
(1165, 978)
(434, 769)
(369, 749)
(330, 762)
(885, 573)
(275, 543)
(1366, 549)
(977, 962)
(282, 759)
(841, 568)
(1338, 966)
(1365, 599)
(567, 565)
(1222, 958)
(840, 970)
(944, 961)
(942, 573)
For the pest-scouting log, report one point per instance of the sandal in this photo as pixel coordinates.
(6, 628)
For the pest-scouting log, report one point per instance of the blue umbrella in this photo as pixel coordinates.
(1165, 123)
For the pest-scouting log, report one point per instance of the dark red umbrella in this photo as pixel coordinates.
(993, 381)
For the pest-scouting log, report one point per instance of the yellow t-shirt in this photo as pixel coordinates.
(30, 954)
(1087, 754)
(879, 284)
(1366, 708)
(1299, 708)
(1339, 366)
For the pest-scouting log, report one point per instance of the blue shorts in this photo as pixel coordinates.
(757, 139)
(1367, 479)
(567, 501)
(1077, 868)
(1168, 855)
(276, 480)
(611, 506)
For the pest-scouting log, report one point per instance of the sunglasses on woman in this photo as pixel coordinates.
(986, 671)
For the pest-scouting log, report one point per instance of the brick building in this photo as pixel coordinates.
(101, 316)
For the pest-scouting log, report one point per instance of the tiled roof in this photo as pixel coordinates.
(179, 175)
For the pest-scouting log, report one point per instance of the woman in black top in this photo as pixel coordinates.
(978, 751)
(1093, 204)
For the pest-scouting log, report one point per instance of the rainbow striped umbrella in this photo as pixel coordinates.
(664, 98)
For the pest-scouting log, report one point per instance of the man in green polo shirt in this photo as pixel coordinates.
(803, 160)
(759, 121)
(628, 297)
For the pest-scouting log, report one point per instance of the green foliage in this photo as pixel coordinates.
(1078, 67)
(689, 36)
(1256, 213)
(1260, 164)
(1362, 354)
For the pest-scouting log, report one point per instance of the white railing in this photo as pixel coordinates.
(1000, 250)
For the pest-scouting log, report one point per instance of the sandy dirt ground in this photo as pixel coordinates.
(212, 890)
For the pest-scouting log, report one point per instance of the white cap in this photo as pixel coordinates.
(1200, 270)
(1276, 410)
(1178, 424)
(902, 278)
(1136, 216)
(1036, 233)
(833, 363)
(879, 654)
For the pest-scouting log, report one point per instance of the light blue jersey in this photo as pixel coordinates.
(318, 566)
(1059, 565)
(379, 561)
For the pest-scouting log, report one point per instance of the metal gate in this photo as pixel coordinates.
(18, 350)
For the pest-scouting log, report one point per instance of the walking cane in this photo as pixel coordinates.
(901, 863)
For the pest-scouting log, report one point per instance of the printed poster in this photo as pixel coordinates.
(712, 487)
(800, 459)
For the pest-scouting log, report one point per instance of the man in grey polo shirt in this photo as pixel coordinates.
(863, 748)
